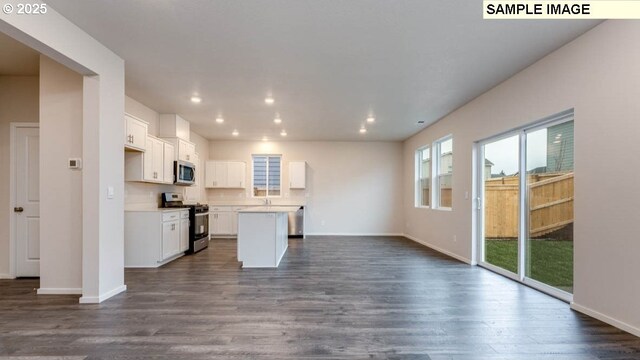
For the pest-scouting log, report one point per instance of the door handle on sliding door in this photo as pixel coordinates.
(18, 209)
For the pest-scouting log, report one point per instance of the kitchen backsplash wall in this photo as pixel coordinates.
(147, 194)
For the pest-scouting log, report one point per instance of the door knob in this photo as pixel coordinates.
(18, 209)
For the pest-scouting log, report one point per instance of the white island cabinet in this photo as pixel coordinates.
(263, 235)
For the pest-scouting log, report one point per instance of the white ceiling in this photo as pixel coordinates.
(17, 59)
(327, 63)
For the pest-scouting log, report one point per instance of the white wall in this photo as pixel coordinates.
(146, 194)
(352, 187)
(597, 75)
(61, 188)
(18, 103)
(103, 128)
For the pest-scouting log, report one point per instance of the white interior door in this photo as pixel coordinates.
(27, 205)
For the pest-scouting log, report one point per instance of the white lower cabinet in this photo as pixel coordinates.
(223, 221)
(170, 238)
(184, 231)
(154, 238)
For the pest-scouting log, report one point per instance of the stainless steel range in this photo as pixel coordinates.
(198, 220)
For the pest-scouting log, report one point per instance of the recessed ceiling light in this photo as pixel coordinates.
(283, 133)
(219, 119)
(371, 119)
(363, 130)
(235, 133)
(269, 100)
(277, 119)
(196, 99)
(264, 138)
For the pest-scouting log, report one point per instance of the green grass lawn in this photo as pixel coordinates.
(550, 261)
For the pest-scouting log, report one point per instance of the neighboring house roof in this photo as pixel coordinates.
(487, 162)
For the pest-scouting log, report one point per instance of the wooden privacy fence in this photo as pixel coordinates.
(550, 204)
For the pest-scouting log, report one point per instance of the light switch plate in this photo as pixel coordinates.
(110, 192)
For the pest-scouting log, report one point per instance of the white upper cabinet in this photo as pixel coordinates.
(172, 125)
(236, 173)
(169, 155)
(154, 165)
(185, 150)
(297, 175)
(135, 133)
(192, 193)
(225, 174)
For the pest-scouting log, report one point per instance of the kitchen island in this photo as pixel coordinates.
(263, 235)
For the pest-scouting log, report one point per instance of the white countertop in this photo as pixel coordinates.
(249, 203)
(269, 209)
(151, 209)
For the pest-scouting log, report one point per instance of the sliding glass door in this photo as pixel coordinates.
(525, 205)
(501, 192)
(549, 240)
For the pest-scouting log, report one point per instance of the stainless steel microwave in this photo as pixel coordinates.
(184, 173)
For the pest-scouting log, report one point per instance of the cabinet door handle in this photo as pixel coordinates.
(133, 138)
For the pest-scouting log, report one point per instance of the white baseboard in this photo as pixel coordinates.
(103, 297)
(439, 249)
(607, 319)
(352, 234)
(59, 291)
(6, 276)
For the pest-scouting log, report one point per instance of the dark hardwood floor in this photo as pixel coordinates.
(331, 298)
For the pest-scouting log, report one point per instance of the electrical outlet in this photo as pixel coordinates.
(323, 223)
(455, 238)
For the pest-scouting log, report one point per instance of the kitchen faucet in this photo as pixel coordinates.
(267, 201)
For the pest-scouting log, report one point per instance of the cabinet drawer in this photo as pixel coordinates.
(184, 215)
(170, 216)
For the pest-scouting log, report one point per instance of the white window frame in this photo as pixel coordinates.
(267, 196)
(436, 174)
(418, 175)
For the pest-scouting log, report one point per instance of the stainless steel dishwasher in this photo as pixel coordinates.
(296, 222)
